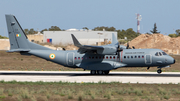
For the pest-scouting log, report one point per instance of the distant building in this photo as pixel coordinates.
(37, 38)
(87, 37)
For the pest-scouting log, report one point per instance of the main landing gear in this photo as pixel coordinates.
(159, 71)
(99, 72)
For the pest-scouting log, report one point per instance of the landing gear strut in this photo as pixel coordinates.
(159, 71)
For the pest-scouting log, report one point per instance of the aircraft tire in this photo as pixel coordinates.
(106, 72)
(93, 72)
(159, 71)
(100, 72)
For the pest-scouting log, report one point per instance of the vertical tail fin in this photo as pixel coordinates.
(18, 40)
(17, 37)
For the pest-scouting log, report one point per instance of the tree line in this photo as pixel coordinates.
(176, 34)
(32, 31)
(129, 33)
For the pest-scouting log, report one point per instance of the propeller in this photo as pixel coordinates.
(127, 46)
(121, 49)
(118, 51)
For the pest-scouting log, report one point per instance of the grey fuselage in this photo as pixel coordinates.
(128, 58)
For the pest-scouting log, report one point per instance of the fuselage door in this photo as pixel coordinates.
(70, 59)
(148, 59)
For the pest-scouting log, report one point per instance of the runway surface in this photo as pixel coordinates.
(84, 76)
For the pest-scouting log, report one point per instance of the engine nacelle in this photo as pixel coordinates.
(107, 51)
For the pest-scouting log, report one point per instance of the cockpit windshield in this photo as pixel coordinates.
(157, 54)
(164, 53)
(160, 53)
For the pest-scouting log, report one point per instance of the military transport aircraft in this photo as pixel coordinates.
(97, 59)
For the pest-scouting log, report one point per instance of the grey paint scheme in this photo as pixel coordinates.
(67, 58)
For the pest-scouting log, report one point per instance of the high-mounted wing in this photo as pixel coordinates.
(106, 49)
(86, 48)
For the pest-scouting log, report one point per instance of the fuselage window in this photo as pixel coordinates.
(160, 53)
(124, 56)
(110, 57)
(106, 57)
(75, 58)
(113, 57)
(131, 56)
(89, 57)
(127, 56)
(143, 56)
(93, 57)
(135, 56)
(96, 57)
(103, 57)
(78, 58)
(82, 58)
(138, 56)
(157, 54)
(164, 53)
(99, 57)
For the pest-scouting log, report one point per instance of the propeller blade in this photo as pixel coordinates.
(119, 56)
(127, 46)
(64, 49)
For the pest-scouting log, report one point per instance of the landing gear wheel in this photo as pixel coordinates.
(93, 72)
(100, 72)
(159, 71)
(106, 72)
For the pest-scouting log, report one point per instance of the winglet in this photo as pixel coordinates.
(114, 39)
(76, 42)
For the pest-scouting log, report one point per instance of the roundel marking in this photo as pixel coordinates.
(52, 56)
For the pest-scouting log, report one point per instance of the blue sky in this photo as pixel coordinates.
(66, 14)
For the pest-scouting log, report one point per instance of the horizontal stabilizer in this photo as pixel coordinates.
(18, 50)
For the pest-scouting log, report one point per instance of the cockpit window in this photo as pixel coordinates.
(157, 54)
(164, 53)
(160, 53)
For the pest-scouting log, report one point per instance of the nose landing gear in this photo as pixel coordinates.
(159, 71)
